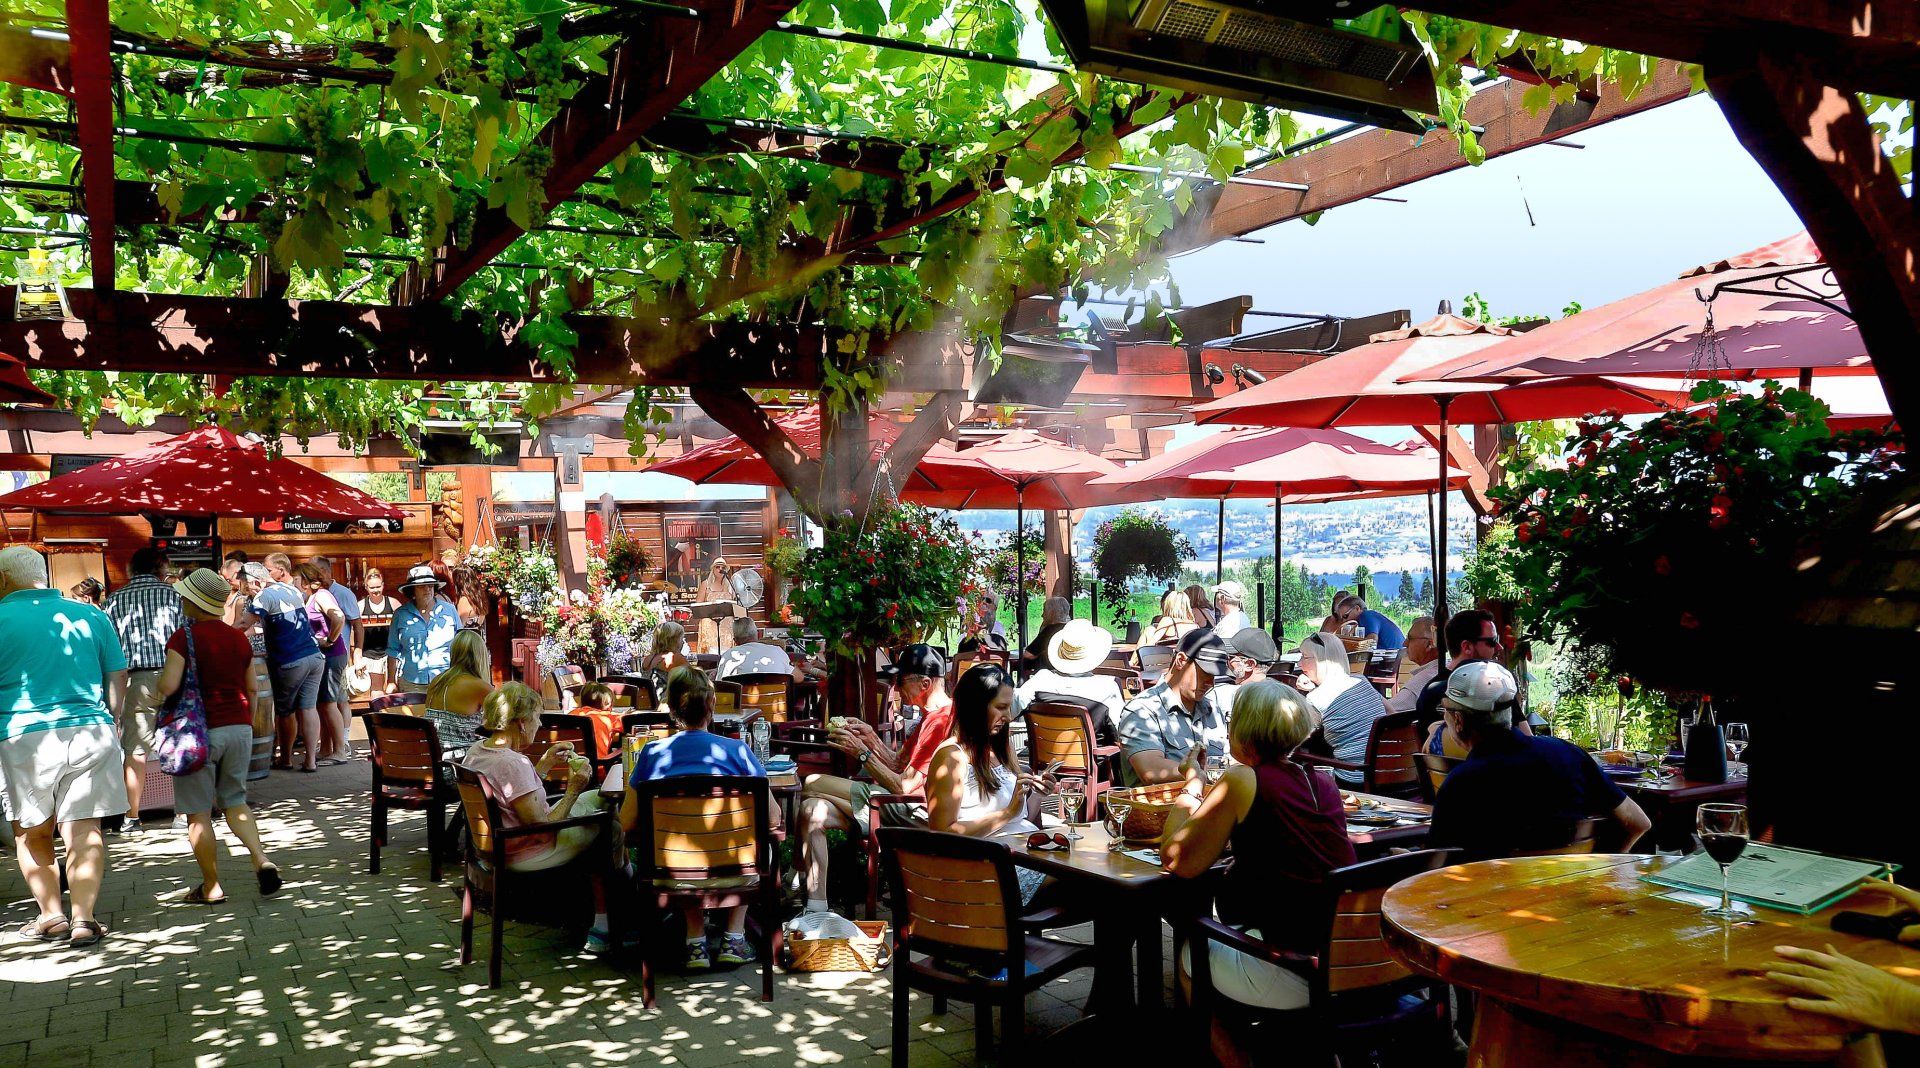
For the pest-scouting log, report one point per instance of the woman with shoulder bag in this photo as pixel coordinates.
(215, 659)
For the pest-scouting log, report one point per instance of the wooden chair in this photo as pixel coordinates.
(727, 695)
(707, 840)
(1383, 668)
(1128, 679)
(1154, 661)
(638, 688)
(958, 906)
(648, 720)
(966, 662)
(1388, 767)
(1586, 833)
(488, 880)
(1063, 731)
(1434, 769)
(767, 692)
(567, 680)
(406, 775)
(1358, 998)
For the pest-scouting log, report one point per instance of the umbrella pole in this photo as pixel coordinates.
(1019, 569)
(1440, 538)
(1279, 575)
(1220, 545)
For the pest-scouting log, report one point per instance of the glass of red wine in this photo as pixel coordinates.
(1723, 832)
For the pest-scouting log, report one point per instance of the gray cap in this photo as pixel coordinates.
(1206, 649)
(1256, 645)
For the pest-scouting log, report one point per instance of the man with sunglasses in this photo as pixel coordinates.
(1472, 637)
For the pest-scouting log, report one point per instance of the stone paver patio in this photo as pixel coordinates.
(346, 968)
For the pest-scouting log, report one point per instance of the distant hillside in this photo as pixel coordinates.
(1386, 535)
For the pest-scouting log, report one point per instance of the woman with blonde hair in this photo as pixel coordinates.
(1176, 619)
(1288, 830)
(664, 654)
(511, 717)
(1202, 606)
(455, 696)
(717, 586)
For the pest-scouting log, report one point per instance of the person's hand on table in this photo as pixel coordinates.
(1834, 984)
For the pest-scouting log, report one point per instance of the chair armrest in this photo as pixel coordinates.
(1319, 761)
(555, 825)
(1045, 917)
(1212, 930)
(1104, 751)
(876, 800)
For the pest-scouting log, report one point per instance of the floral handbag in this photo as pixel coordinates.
(180, 739)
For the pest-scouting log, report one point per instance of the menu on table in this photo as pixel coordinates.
(1794, 880)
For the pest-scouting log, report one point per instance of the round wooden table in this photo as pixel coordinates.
(1580, 963)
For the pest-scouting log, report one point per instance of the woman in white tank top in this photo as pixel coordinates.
(974, 787)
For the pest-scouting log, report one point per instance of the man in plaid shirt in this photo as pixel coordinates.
(145, 612)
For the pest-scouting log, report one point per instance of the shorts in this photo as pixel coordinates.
(333, 680)
(140, 712)
(296, 686)
(222, 781)
(63, 774)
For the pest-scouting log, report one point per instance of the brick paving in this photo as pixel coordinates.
(347, 968)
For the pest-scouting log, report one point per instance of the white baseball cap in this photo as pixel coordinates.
(1481, 685)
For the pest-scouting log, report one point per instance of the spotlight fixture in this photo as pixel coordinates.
(1244, 376)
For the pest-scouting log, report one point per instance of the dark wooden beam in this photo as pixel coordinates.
(648, 76)
(1378, 161)
(1815, 142)
(224, 336)
(1870, 46)
(707, 137)
(90, 28)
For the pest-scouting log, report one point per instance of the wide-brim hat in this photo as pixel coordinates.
(1078, 647)
(421, 575)
(205, 589)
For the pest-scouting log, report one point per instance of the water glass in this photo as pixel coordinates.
(1072, 794)
(1117, 812)
(1737, 738)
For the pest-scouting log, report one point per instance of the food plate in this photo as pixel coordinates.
(1373, 819)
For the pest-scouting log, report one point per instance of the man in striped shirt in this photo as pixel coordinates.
(1347, 706)
(145, 613)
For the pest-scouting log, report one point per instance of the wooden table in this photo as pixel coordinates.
(1129, 895)
(1672, 803)
(1581, 964)
(1373, 841)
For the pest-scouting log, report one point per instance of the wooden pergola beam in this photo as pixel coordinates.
(90, 29)
(226, 336)
(1870, 46)
(647, 76)
(1379, 161)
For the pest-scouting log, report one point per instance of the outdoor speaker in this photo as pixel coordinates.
(1036, 372)
(451, 444)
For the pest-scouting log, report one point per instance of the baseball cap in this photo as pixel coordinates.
(1207, 649)
(1481, 685)
(1232, 589)
(1256, 645)
(921, 660)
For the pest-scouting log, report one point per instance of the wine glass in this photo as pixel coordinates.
(1117, 812)
(1072, 794)
(1723, 831)
(1736, 739)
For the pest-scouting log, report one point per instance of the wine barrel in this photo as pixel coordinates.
(262, 761)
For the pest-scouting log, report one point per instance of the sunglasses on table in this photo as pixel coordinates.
(1046, 840)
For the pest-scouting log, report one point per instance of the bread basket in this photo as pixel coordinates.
(1147, 816)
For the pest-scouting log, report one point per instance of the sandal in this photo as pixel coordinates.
(86, 933)
(52, 928)
(269, 877)
(198, 896)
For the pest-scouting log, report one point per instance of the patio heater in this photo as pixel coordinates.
(189, 541)
(1327, 57)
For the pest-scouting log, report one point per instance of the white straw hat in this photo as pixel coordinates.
(1078, 647)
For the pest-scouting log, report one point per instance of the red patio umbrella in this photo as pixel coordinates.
(1368, 386)
(1018, 469)
(16, 387)
(1285, 463)
(732, 461)
(204, 472)
(1765, 315)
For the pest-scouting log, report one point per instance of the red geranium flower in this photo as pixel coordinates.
(1662, 565)
(1689, 621)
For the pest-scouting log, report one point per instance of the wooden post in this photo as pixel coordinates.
(570, 512)
(1816, 144)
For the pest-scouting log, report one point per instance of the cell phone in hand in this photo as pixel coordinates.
(1868, 925)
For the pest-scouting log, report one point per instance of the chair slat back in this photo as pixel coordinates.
(768, 693)
(726, 695)
(649, 721)
(1128, 679)
(1585, 833)
(1391, 744)
(406, 749)
(1356, 956)
(1154, 657)
(705, 827)
(1385, 666)
(1062, 732)
(483, 812)
(567, 680)
(1434, 769)
(958, 894)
